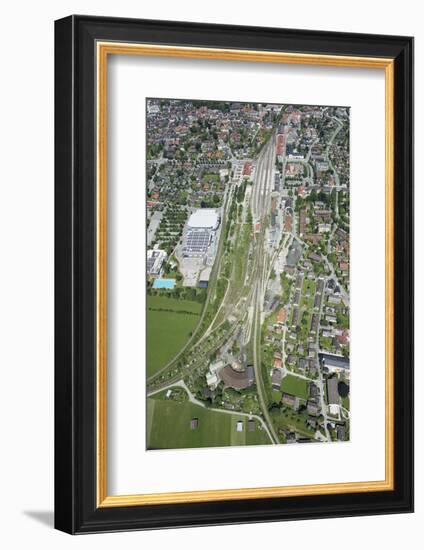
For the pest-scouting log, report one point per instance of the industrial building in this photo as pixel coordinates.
(334, 363)
(204, 218)
(196, 242)
(199, 235)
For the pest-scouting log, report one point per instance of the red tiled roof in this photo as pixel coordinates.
(247, 169)
(281, 317)
(280, 144)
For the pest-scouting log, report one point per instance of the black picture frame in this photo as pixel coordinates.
(76, 510)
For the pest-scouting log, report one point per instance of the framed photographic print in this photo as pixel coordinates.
(234, 274)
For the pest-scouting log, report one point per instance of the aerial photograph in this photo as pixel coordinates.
(247, 293)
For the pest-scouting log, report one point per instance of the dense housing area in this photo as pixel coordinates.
(247, 274)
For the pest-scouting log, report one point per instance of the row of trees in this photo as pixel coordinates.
(181, 293)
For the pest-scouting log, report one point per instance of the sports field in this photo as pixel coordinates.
(295, 386)
(168, 427)
(169, 324)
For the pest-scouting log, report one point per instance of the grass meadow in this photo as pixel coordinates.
(169, 324)
(168, 427)
(295, 386)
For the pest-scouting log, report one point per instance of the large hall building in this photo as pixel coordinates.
(201, 227)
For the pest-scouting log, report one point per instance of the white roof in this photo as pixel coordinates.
(205, 274)
(204, 218)
(211, 378)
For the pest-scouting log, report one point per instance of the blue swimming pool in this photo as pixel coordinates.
(164, 283)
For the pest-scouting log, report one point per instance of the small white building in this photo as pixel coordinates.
(212, 376)
(334, 410)
(212, 379)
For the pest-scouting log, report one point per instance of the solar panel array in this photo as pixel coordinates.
(197, 241)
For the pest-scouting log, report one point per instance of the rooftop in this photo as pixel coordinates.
(204, 218)
(235, 379)
(338, 361)
(332, 392)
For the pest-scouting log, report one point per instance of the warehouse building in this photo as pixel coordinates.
(334, 363)
(201, 228)
(204, 218)
(196, 242)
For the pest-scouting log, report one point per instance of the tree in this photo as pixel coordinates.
(274, 407)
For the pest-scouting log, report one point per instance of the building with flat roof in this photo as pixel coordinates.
(155, 259)
(200, 233)
(294, 254)
(196, 242)
(204, 218)
(212, 374)
(334, 363)
(204, 277)
(332, 391)
(212, 379)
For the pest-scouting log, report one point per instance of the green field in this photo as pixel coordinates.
(276, 396)
(169, 324)
(295, 386)
(168, 427)
(346, 402)
(292, 421)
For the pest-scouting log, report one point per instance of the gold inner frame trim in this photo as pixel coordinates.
(103, 50)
